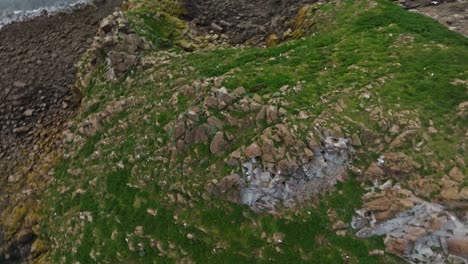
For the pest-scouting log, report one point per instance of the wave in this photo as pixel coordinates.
(8, 16)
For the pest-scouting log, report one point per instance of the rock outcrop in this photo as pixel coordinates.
(240, 22)
(414, 229)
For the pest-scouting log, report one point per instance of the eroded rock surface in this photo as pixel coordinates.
(264, 190)
(414, 229)
(244, 20)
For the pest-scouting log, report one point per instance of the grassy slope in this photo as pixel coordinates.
(118, 196)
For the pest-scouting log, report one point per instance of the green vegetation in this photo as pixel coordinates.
(131, 204)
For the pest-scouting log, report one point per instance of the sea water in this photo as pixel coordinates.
(19, 10)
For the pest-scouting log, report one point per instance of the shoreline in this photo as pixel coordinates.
(28, 15)
(38, 60)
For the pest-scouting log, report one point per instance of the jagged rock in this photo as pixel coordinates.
(402, 138)
(253, 151)
(272, 40)
(375, 114)
(270, 184)
(215, 122)
(38, 247)
(271, 114)
(229, 188)
(211, 102)
(106, 25)
(394, 129)
(464, 193)
(218, 144)
(93, 123)
(239, 91)
(199, 134)
(14, 220)
(267, 149)
(391, 164)
(450, 193)
(261, 115)
(374, 172)
(356, 141)
(424, 187)
(399, 163)
(188, 90)
(456, 174)
(179, 129)
(416, 231)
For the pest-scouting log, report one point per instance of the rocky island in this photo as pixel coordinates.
(220, 131)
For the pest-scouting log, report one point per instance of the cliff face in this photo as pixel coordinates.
(222, 131)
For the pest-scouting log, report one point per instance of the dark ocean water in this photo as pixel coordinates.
(15, 10)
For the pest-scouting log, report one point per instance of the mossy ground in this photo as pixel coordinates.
(124, 185)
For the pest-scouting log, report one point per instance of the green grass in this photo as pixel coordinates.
(126, 170)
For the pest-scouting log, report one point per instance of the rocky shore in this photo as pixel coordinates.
(37, 67)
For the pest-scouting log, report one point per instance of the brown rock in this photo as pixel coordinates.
(229, 188)
(271, 114)
(38, 247)
(414, 233)
(239, 91)
(397, 246)
(218, 143)
(261, 115)
(339, 225)
(450, 194)
(374, 172)
(188, 90)
(179, 129)
(268, 150)
(272, 40)
(213, 121)
(356, 141)
(423, 187)
(458, 246)
(381, 204)
(464, 193)
(309, 154)
(401, 139)
(394, 129)
(397, 164)
(447, 182)
(211, 102)
(200, 134)
(456, 174)
(253, 151)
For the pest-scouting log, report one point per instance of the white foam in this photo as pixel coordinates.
(9, 17)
